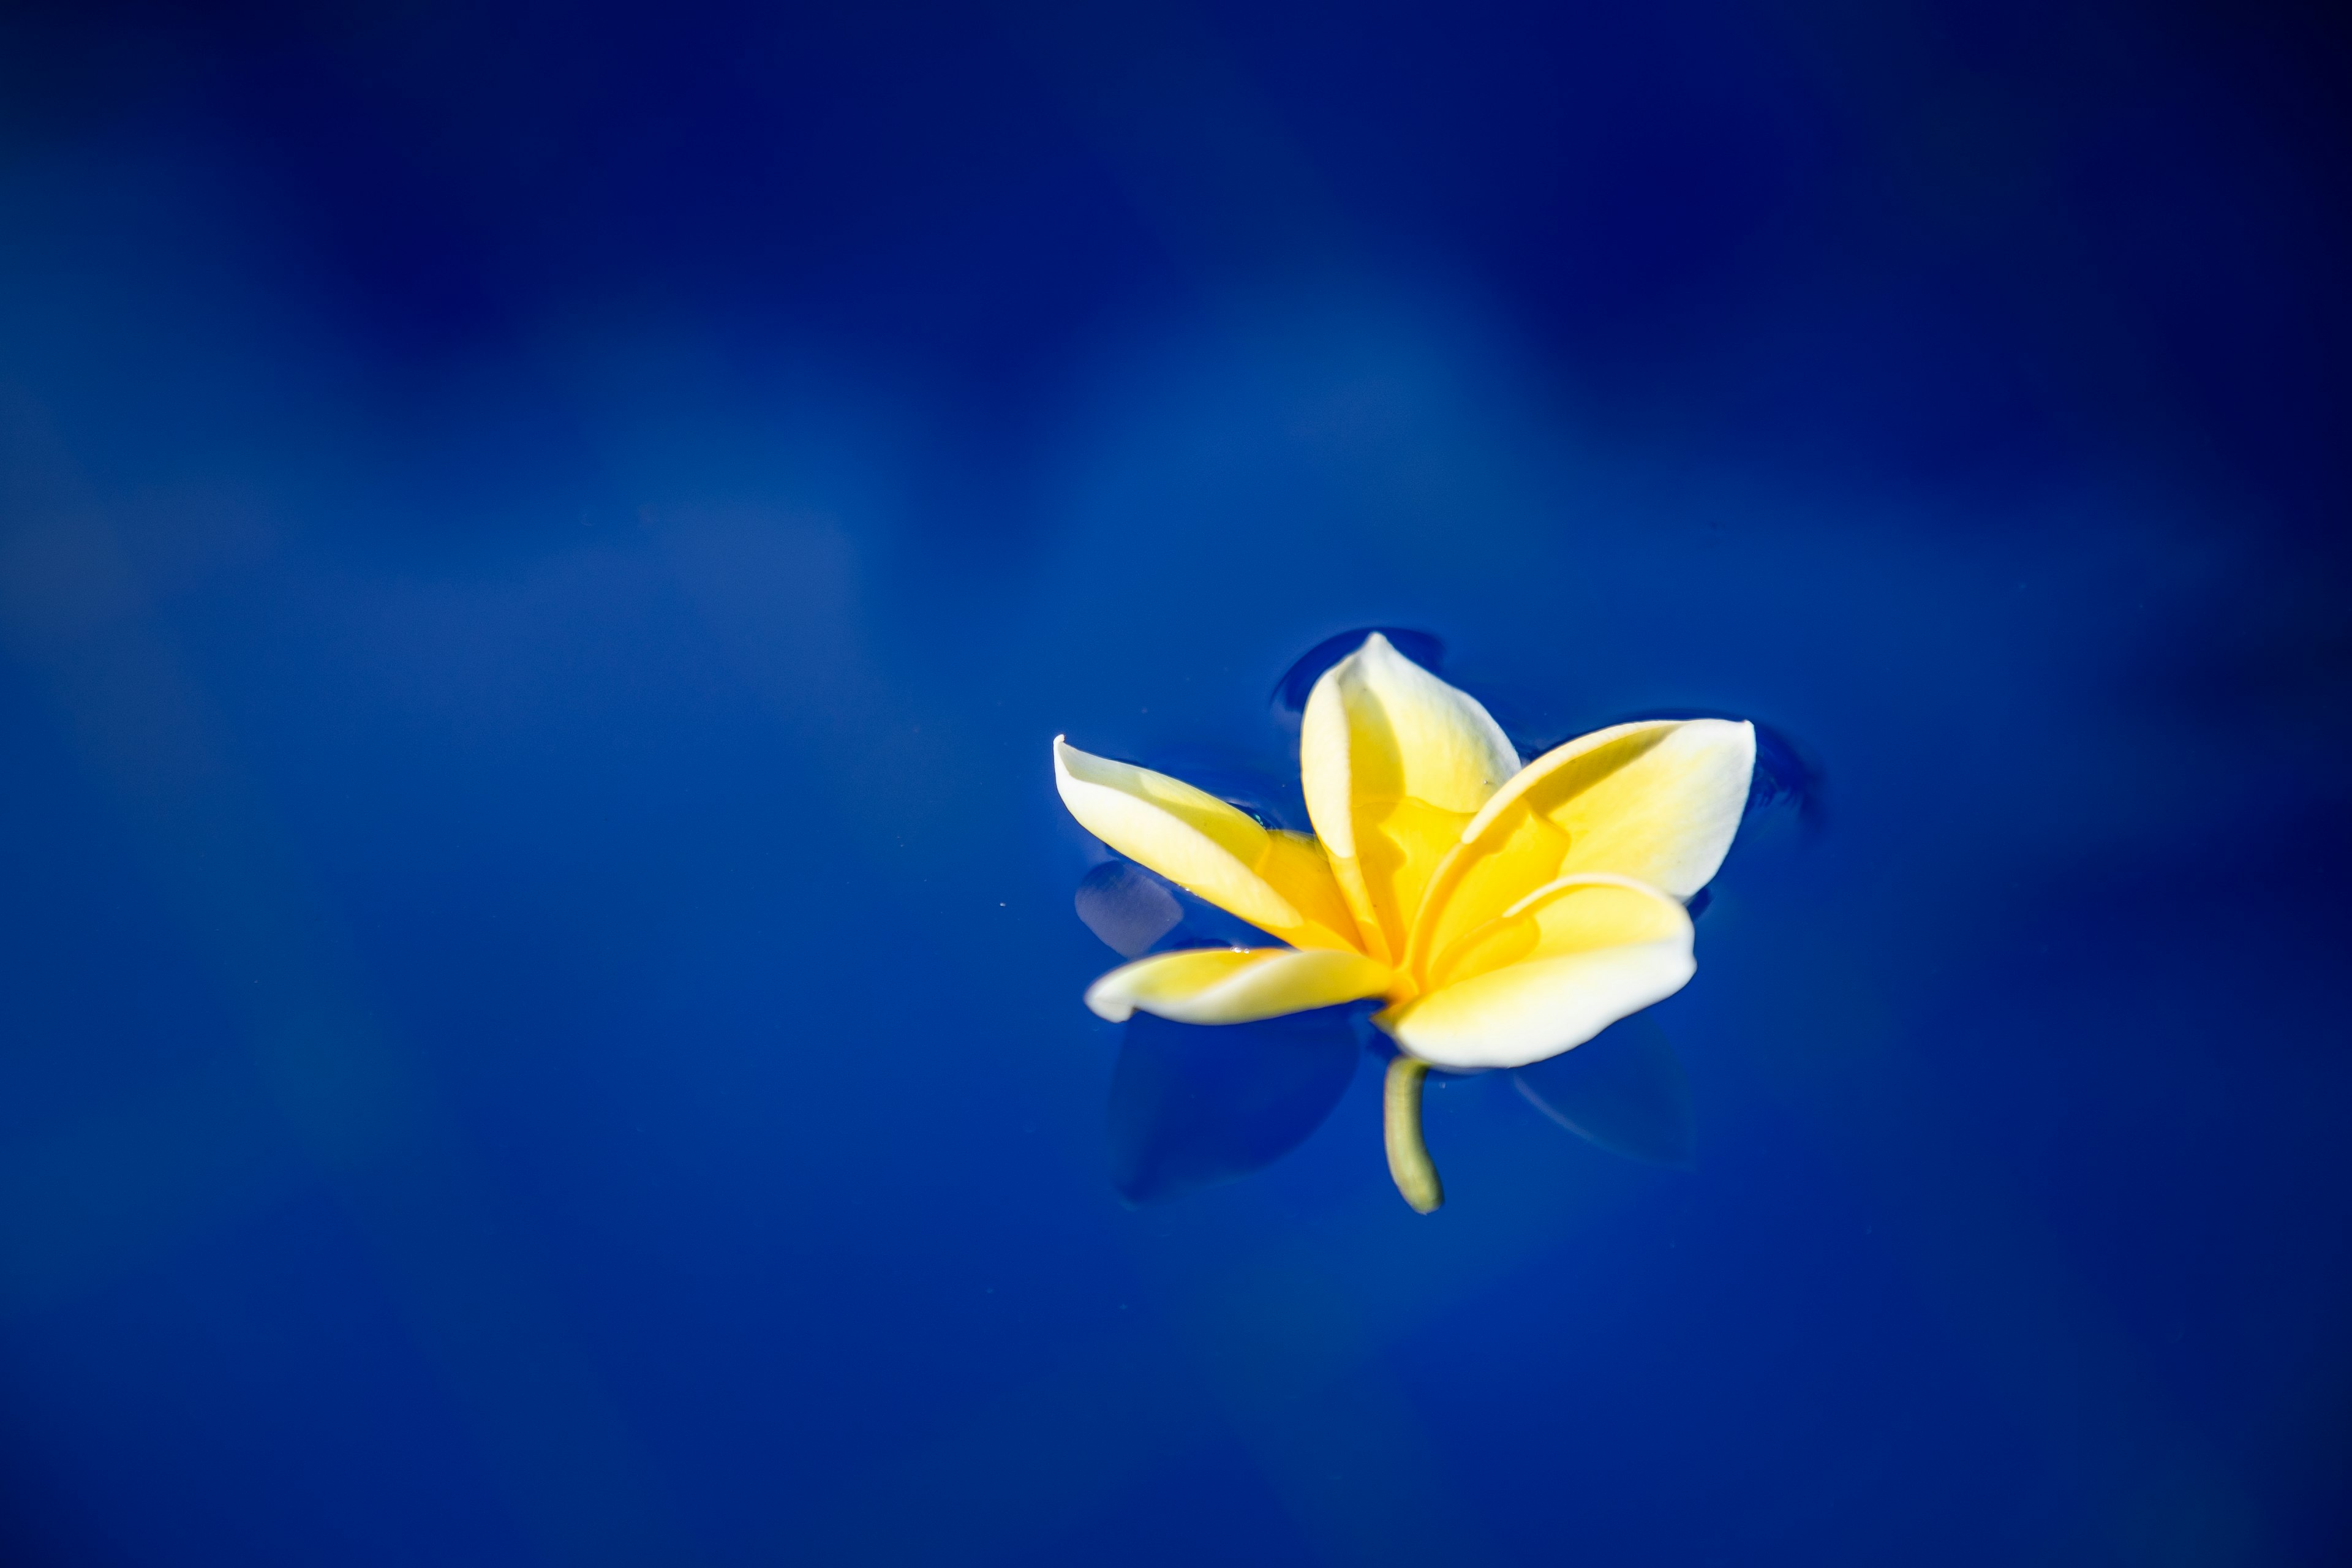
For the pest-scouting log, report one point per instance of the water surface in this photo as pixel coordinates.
(539, 562)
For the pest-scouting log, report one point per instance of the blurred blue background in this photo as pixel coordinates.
(542, 547)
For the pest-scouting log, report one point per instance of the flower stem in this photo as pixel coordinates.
(1409, 1162)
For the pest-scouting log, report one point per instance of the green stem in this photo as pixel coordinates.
(1408, 1161)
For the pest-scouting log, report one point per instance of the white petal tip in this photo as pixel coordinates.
(1109, 1009)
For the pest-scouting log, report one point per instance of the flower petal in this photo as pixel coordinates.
(1658, 801)
(1235, 985)
(1394, 763)
(1277, 881)
(1554, 970)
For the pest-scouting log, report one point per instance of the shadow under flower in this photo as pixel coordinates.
(1623, 1089)
(1193, 1105)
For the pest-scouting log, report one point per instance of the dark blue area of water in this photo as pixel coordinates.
(541, 550)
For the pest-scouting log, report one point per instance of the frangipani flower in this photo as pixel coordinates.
(1503, 913)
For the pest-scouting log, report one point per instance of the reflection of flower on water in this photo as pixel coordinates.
(1496, 916)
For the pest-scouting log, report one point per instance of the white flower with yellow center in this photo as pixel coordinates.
(1505, 913)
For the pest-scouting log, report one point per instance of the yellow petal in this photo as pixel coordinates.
(1658, 801)
(1295, 866)
(1278, 882)
(1235, 985)
(1552, 971)
(1394, 763)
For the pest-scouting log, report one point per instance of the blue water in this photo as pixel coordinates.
(542, 550)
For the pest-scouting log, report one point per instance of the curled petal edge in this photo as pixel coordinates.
(1235, 985)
